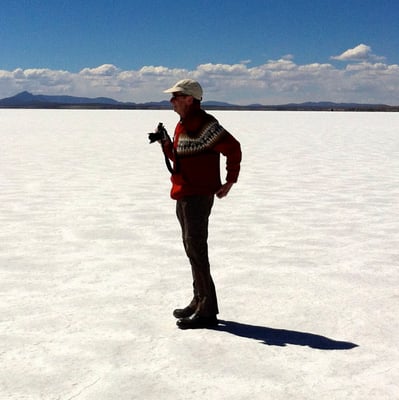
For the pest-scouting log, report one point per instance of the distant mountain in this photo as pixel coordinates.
(325, 106)
(217, 104)
(335, 106)
(29, 100)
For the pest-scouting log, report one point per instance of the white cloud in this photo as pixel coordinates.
(235, 69)
(102, 70)
(288, 57)
(276, 81)
(361, 52)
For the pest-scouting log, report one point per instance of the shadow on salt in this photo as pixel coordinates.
(282, 337)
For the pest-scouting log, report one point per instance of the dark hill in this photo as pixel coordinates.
(29, 100)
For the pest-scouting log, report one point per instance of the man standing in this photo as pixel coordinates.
(195, 151)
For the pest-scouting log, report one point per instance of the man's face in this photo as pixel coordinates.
(181, 103)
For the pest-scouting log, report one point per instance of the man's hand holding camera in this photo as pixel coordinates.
(160, 135)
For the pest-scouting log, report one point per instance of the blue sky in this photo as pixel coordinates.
(269, 51)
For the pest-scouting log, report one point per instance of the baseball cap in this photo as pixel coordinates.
(187, 86)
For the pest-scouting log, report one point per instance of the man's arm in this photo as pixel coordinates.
(167, 147)
(224, 190)
(231, 149)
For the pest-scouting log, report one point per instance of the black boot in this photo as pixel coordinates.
(183, 312)
(196, 321)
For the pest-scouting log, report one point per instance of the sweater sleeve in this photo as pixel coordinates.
(231, 149)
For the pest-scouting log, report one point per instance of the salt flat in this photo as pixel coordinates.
(304, 254)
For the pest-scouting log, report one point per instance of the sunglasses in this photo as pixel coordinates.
(176, 95)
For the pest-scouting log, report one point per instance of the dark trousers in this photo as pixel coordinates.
(193, 214)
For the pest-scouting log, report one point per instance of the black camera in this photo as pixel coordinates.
(160, 134)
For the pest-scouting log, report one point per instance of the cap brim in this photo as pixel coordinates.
(174, 89)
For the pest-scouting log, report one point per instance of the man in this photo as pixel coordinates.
(195, 151)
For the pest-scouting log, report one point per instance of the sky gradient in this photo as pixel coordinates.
(268, 52)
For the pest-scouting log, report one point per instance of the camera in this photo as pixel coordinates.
(160, 134)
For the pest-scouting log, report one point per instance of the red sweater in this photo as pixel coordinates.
(198, 142)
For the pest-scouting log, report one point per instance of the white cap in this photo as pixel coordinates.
(187, 86)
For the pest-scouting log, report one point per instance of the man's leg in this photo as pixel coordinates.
(193, 213)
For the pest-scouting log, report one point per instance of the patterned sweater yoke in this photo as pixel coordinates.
(206, 138)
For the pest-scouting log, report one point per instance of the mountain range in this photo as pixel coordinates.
(29, 100)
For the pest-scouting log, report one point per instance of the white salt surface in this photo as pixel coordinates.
(304, 253)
